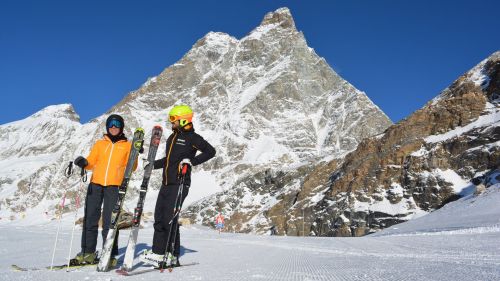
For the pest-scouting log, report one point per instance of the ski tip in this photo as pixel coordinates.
(158, 127)
(15, 267)
(139, 130)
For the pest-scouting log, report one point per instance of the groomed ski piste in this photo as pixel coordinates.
(460, 241)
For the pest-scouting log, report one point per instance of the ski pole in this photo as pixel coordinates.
(67, 172)
(83, 175)
(77, 206)
(58, 228)
(175, 220)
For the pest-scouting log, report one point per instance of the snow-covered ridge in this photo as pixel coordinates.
(476, 75)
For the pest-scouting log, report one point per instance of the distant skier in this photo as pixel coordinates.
(181, 148)
(107, 159)
(219, 222)
(273, 231)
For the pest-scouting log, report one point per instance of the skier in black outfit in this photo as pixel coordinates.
(181, 149)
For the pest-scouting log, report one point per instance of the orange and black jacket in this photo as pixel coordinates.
(108, 160)
(183, 144)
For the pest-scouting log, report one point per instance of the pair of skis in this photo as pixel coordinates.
(137, 142)
(147, 269)
(68, 267)
(136, 220)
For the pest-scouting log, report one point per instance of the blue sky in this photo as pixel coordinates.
(92, 53)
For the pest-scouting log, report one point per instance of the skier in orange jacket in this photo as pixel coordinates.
(107, 160)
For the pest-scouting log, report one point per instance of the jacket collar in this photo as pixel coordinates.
(116, 139)
(184, 130)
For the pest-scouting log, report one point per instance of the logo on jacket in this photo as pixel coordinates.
(181, 142)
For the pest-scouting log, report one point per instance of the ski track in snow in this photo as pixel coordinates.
(457, 256)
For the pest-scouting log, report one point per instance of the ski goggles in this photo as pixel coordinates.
(173, 118)
(115, 123)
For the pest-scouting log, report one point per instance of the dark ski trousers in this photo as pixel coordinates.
(96, 196)
(164, 211)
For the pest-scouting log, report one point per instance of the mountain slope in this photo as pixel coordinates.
(264, 101)
(420, 163)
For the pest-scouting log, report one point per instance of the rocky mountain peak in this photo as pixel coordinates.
(215, 41)
(58, 111)
(282, 17)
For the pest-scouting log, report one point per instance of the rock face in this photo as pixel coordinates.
(268, 103)
(418, 164)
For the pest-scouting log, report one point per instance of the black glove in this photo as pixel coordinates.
(141, 150)
(81, 162)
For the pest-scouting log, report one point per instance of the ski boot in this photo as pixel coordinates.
(84, 258)
(151, 258)
(113, 261)
(172, 261)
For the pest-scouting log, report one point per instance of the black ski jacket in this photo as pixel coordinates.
(183, 144)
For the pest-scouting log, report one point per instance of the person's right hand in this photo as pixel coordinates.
(81, 162)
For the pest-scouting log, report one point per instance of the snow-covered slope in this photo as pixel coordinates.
(470, 214)
(416, 250)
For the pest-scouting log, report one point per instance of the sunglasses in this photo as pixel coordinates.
(115, 123)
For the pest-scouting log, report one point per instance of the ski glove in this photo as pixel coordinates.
(81, 162)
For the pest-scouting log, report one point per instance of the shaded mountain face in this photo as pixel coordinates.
(267, 102)
(418, 164)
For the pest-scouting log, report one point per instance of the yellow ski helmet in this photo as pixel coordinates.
(183, 113)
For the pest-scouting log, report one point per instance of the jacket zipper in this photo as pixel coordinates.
(107, 168)
(168, 157)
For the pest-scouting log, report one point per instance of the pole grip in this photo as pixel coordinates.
(184, 169)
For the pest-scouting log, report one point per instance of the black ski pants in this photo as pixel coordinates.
(96, 196)
(164, 212)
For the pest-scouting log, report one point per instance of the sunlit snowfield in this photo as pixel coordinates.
(458, 242)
